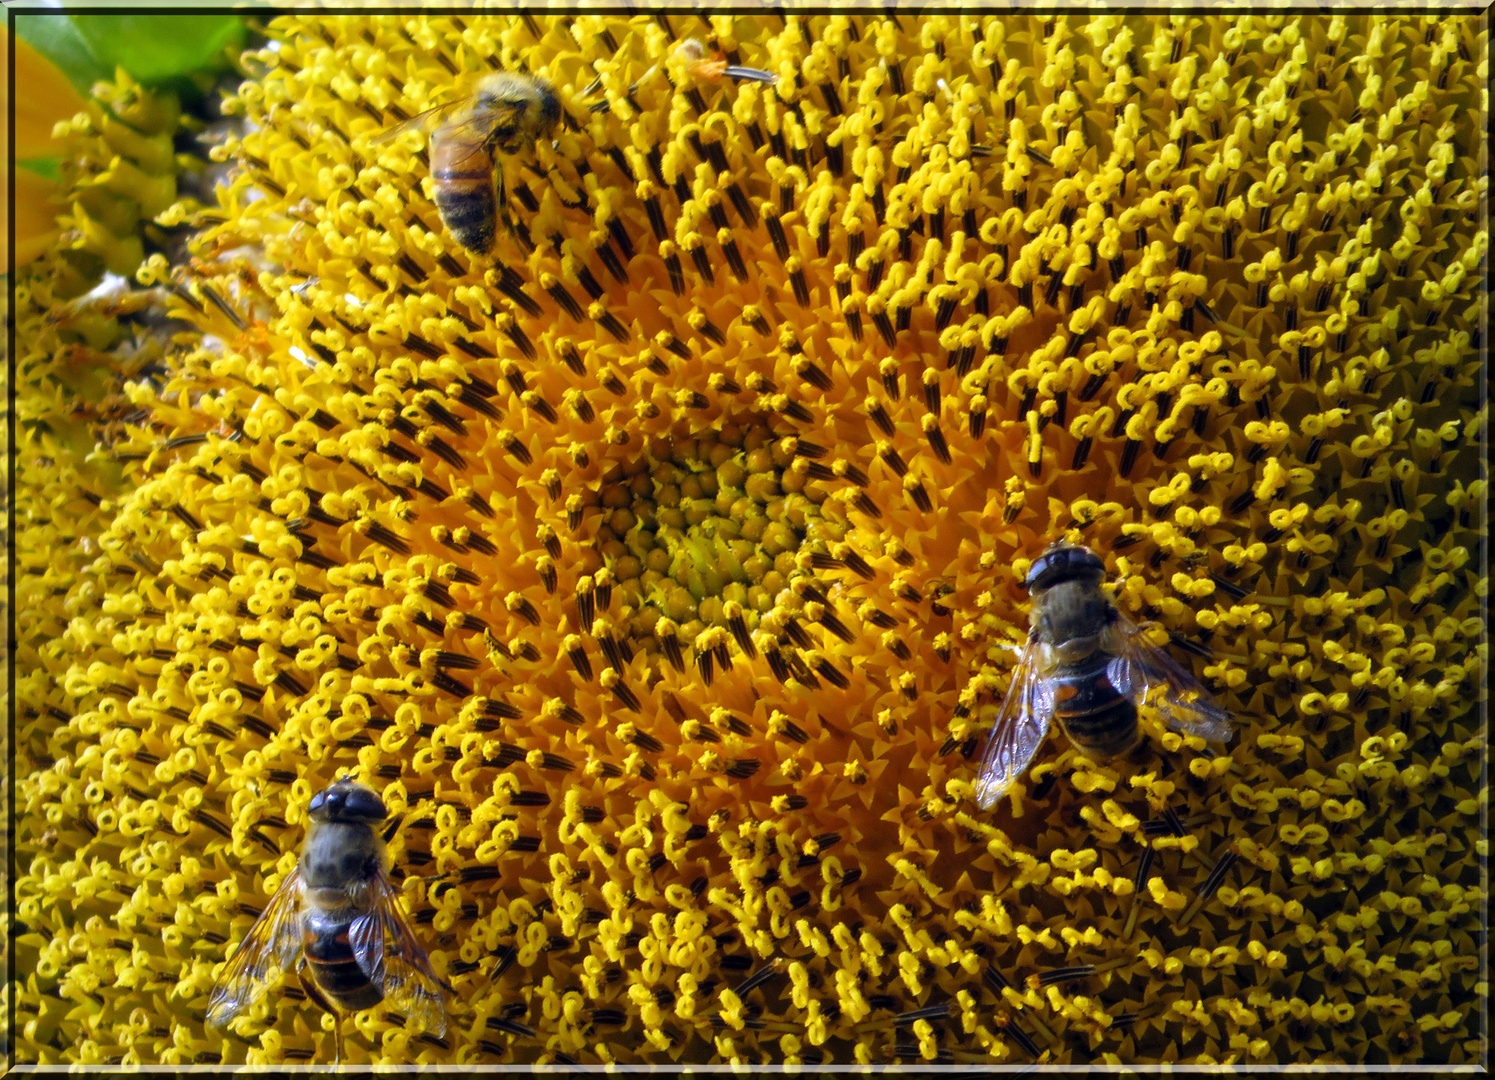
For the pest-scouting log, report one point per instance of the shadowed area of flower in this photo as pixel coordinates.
(661, 568)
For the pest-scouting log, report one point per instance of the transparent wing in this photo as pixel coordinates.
(1019, 729)
(1140, 668)
(747, 74)
(423, 121)
(271, 947)
(390, 955)
(366, 939)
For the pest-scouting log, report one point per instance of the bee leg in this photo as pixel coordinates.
(319, 999)
(510, 224)
(502, 204)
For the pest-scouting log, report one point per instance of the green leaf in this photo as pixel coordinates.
(58, 39)
(156, 47)
(48, 168)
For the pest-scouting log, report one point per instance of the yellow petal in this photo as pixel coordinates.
(43, 97)
(35, 217)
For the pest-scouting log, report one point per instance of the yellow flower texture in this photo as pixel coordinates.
(662, 567)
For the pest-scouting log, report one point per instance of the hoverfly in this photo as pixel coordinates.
(337, 916)
(1087, 666)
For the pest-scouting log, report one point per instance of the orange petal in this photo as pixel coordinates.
(43, 97)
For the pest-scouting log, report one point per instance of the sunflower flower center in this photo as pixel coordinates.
(709, 534)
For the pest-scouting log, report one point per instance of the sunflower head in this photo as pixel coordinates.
(661, 566)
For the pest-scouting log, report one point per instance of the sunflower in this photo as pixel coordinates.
(661, 567)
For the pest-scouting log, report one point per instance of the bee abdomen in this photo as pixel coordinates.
(468, 207)
(337, 972)
(1097, 717)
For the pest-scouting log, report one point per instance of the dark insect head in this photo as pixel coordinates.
(347, 800)
(1064, 562)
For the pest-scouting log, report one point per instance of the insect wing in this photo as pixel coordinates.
(747, 74)
(389, 954)
(271, 947)
(366, 939)
(421, 121)
(1139, 667)
(1019, 729)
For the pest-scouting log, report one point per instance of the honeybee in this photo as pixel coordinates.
(337, 916)
(509, 113)
(1088, 666)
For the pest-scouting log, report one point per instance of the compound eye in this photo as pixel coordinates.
(1063, 563)
(317, 802)
(363, 803)
(334, 801)
(1042, 567)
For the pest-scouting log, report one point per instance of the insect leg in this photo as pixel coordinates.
(512, 225)
(502, 203)
(314, 992)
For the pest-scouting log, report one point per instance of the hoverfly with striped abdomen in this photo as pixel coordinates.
(1087, 666)
(337, 917)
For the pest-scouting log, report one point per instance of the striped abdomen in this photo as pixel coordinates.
(462, 173)
(330, 958)
(1097, 717)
